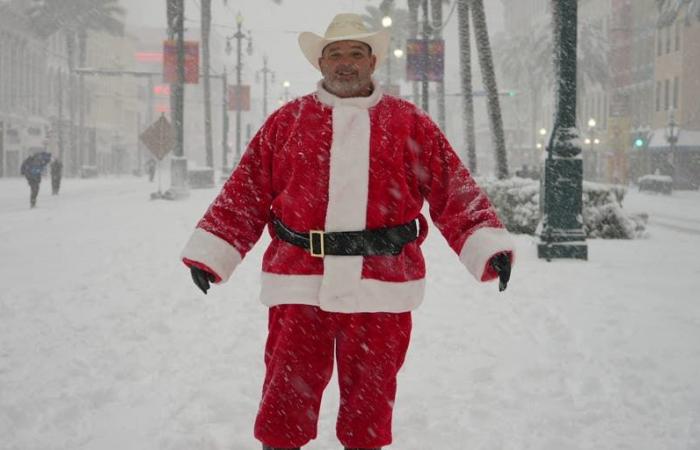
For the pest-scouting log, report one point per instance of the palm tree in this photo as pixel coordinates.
(467, 89)
(670, 9)
(488, 75)
(205, 8)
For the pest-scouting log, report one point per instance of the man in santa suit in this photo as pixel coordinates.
(339, 177)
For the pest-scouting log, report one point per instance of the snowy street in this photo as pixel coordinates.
(105, 343)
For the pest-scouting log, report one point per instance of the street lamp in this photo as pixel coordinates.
(386, 23)
(398, 53)
(286, 85)
(672, 133)
(239, 36)
(592, 140)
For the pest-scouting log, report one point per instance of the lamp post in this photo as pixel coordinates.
(672, 132)
(562, 234)
(386, 23)
(591, 140)
(239, 36)
(265, 71)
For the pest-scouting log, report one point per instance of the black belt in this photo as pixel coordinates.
(381, 241)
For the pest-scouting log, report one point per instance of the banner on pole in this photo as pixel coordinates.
(425, 57)
(239, 98)
(170, 62)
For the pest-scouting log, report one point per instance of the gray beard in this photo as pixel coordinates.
(348, 89)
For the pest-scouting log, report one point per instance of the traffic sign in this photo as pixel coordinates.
(159, 138)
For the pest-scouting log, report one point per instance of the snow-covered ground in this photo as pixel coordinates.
(106, 344)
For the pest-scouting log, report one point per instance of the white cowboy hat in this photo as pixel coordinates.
(344, 27)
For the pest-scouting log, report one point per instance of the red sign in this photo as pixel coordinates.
(191, 62)
(239, 98)
(425, 58)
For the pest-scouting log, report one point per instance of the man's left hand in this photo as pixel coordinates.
(501, 264)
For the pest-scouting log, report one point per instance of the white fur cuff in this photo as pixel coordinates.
(481, 246)
(212, 251)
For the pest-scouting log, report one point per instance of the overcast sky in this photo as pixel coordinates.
(275, 29)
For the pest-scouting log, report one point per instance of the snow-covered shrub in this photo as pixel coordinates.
(517, 203)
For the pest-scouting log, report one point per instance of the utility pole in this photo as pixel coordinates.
(437, 35)
(239, 36)
(178, 169)
(225, 169)
(424, 82)
(265, 71)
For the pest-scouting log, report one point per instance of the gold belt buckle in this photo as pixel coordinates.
(312, 250)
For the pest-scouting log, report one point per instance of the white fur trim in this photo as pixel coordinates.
(370, 295)
(331, 100)
(348, 188)
(481, 246)
(212, 251)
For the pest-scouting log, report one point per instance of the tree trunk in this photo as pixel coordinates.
(466, 74)
(82, 60)
(206, 28)
(72, 165)
(487, 73)
(437, 34)
(413, 6)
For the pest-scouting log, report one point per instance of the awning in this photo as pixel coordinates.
(688, 140)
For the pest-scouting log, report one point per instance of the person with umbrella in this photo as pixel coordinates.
(31, 168)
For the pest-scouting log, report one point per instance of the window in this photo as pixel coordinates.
(668, 39)
(659, 42)
(658, 96)
(678, 37)
(667, 86)
(675, 92)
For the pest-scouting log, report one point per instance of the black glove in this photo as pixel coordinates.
(501, 264)
(202, 278)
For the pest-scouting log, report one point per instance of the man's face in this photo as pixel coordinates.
(347, 68)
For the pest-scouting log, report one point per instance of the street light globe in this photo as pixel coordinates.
(398, 53)
(543, 131)
(386, 21)
(239, 18)
(587, 141)
(286, 84)
(539, 145)
(596, 141)
(591, 122)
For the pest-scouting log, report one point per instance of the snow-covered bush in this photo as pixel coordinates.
(517, 203)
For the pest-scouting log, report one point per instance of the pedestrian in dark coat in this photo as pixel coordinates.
(31, 168)
(56, 174)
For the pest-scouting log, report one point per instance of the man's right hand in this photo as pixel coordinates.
(202, 278)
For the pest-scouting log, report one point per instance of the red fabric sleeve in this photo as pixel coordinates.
(240, 212)
(458, 207)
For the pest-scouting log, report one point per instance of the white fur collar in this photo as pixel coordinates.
(331, 100)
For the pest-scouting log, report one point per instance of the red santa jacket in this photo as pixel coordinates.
(343, 164)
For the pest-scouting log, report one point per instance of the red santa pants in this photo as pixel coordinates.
(369, 348)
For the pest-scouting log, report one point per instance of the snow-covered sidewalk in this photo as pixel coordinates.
(106, 344)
